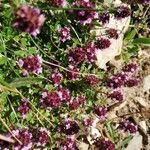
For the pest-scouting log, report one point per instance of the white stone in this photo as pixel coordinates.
(135, 143)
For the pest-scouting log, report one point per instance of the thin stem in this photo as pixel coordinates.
(84, 74)
(41, 49)
(13, 109)
(6, 126)
(72, 28)
(36, 109)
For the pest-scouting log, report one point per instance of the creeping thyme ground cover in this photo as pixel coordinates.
(53, 92)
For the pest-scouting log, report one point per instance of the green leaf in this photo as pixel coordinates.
(111, 130)
(20, 53)
(126, 141)
(32, 50)
(12, 117)
(145, 41)
(130, 35)
(3, 60)
(125, 56)
(25, 81)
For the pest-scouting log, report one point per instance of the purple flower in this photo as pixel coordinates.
(64, 94)
(90, 52)
(112, 33)
(69, 127)
(77, 55)
(116, 95)
(73, 73)
(104, 17)
(92, 80)
(41, 137)
(31, 64)
(101, 112)
(68, 144)
(56, 78)
(130, 68)
(145, 1)
(24, 107)
(128, 126)
(29, 19)
(132, 82)
(4, 145)
(115, 81)
(64, 34)
(85, 16)
(76, 102)
(50, 99)
(25, 137)
(58, 3)
(102, 43)
(104, 144)
(122, 12)
(87, 122)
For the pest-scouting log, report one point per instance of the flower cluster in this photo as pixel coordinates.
(50, 99)
(104, 144)
(80, 58)
(87, 121)
(85, 16)
(58, 3)
(116, 95)
(101, 112)
(89, 49)
(69, 127)
(128, 126)
(68, 144)
(31, 64)
(145, 1)
(117, 80)
(122, 12)
(53, 99)
(124, 78)
(104, 17)
(132, 82)
(25, 137)
(76, 102)
(77, 55)
(28, 140)
(64, 94)
(24, 107)
(56, 78)
(86, 54)
(102, 43)
(64, 34)
(29, 19)
(91, 80)
(112, 33)
(41, 137)
(130, 68)
(73, 73)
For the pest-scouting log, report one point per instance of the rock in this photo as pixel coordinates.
(83, 146)
(108, 54)
(146, 83)
(135, 143)
(142, 124)
(141, 101)
(93, 134)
